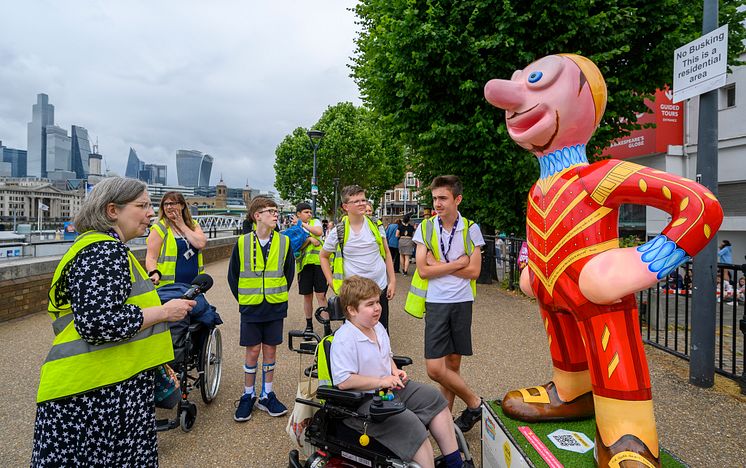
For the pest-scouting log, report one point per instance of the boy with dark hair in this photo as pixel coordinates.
(360, 248)
(361, 360)
(260, 274)
(310, 276)
(444, 285)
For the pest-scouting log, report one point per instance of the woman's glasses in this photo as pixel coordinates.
(142, 205)
(169, 204)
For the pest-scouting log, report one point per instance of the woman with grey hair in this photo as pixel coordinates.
(95, 399)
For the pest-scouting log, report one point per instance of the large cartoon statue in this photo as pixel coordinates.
(584, 283)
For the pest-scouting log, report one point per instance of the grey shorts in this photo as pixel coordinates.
(447, 329)
(404, 433)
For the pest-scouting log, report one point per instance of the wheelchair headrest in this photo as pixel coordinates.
(335, 309)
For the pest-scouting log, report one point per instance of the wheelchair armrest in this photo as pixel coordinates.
(194, 327)
(343, 397)
(402, 361)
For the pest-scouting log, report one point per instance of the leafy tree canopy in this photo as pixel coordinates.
(421, 66)
(354, 149)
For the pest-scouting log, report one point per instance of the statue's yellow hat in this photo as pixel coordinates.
(595, 80)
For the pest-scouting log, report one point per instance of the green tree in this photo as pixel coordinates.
(421, 66)
(355, 149)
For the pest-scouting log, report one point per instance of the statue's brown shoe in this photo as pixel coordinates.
(536, 404)
(627, 452)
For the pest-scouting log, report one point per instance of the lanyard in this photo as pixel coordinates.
(450, 239)
(258, 246)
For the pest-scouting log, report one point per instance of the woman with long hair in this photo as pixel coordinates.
(175, 243)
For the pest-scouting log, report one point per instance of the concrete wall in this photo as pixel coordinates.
(24, 284)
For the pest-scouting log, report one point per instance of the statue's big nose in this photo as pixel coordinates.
(504, 94)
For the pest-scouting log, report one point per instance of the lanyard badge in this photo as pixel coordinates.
(450, 239)
(258, 246)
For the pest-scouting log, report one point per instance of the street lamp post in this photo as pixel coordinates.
(336, 204)
(315, 137)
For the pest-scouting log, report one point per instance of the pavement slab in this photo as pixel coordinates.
(704, 427)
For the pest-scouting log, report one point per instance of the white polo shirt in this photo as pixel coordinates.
(361, 254)
(354, 353)
(450, 289)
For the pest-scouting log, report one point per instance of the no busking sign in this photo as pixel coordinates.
(700, 66)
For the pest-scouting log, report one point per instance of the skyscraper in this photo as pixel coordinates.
(148, 173)
(80, 149)
(42, 115)
(58, 150)
(134, 165)
(193, 168)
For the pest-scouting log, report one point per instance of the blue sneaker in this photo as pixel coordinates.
(272, 405)
(245, 405)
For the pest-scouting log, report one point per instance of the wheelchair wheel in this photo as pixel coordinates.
(187, 416)
(211, 365)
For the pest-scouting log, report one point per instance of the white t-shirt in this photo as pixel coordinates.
(354, 353)
(450, 288)
(361, 254)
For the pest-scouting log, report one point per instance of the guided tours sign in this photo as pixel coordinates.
(700, 66)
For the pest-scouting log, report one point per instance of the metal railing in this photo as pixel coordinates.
(665, 311)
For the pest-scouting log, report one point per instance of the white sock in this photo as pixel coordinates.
(267, 389)
(248, 390)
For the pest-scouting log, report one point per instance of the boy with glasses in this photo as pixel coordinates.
(360, 248)
(260, 274)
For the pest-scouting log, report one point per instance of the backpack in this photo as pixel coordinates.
(297, 236)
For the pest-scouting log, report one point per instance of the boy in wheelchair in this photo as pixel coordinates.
(361, 360)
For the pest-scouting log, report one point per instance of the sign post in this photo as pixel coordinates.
(704, 63)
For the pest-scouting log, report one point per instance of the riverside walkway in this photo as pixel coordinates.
(704, 427)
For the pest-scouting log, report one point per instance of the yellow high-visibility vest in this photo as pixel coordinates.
(260, 278)
(169, 253)
(339, 274)
(310, 254)
(415, 304)
(75, 366)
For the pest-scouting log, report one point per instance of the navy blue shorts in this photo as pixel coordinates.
(254, 333)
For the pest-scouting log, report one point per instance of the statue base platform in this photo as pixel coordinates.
(507, 443)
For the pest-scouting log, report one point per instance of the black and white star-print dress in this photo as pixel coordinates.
(112, 426)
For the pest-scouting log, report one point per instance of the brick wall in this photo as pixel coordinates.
(24, 284)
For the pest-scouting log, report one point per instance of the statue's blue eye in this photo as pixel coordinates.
(535, 76)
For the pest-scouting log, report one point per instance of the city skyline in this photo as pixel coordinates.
(244, 78)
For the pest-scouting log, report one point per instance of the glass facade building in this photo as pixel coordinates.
(193, 168)
(42, 115)
(59, 157)
(80, 149)
(134, 165)
(16, 158)
(148, 173)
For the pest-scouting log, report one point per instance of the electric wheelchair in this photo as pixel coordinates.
(336, 444)
(198, 357)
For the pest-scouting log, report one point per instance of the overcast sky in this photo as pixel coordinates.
(228, 78)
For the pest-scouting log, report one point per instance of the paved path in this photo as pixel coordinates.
(704, 427)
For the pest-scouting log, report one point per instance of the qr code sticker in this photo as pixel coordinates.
(571, 440)
(567, 440)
